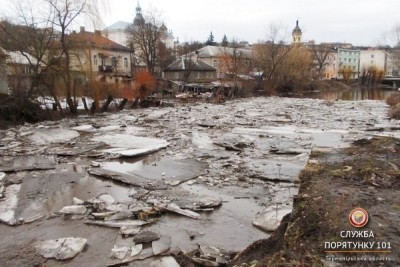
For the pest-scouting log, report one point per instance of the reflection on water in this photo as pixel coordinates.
(355, 94)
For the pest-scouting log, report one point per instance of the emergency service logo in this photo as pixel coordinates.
(357, 244)
(358, 217)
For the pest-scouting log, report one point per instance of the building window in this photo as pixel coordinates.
(215, 63)
(355, 60)
(95, 60)
(372, 56)
(114, 62)
(126, 62)
(103, 61)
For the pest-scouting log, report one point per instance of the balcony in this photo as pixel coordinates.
(106, 68)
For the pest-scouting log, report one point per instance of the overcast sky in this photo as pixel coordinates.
(361, 22)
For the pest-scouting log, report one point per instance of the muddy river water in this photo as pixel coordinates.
(220, 176)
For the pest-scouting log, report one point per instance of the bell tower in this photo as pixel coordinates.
(296, 34)
(139, 17)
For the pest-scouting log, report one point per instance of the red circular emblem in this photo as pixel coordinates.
(358, 217)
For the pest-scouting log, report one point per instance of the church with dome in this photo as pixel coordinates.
(117, 31)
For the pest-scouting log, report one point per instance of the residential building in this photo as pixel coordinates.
(349, 63)
(393, 66)
(226, 59)
(99, 57)
(190, 70)
(331, 67)
(19, 69)
(372, 57)
(325, 60)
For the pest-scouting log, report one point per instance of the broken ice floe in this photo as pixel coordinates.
(161, 245)
(207, 255)
(117, 224)
(23, 163)
(129, 230)
(125, 251)
(73, 210)
(62, 248)
(276, 170)
(45, 136)
(131, 146)
(9, 204)
(129, 179)
(271, 217)
(164, 171)
(164, 262)
(121, 252)
(145, 237)
(174, 208)
(74, 149)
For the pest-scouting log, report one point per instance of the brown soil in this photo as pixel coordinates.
(333, 183)
(394, 102)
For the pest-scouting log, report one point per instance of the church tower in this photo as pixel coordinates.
(139, 17)
(296, 34)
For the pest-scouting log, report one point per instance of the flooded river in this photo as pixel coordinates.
(196, 175)
(355, 94)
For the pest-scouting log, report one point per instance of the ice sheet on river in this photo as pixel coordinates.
(165, 171)
(45, 136)
(62, 248)
(74, 149)
(130, 145)
(22, 163)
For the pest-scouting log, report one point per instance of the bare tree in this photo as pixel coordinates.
(270, 54)
(294, 74)
(165, 55)
(187, 47)
(371, 75)
(66, 13)
(320, 54)
(235, 61)
(30, 35)
(145, 36)
(395, 53)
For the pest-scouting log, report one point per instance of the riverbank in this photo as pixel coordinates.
(333, 183)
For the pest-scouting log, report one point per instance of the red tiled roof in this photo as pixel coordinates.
(96, 40)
